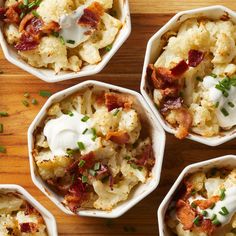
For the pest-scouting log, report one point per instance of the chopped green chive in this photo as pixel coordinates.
(134, 166)
(204, 213)
(116, 112)
(217, 105)
(108, 48)
(35, 13)
(44, 93)
(231, 104)
(224, 112)
(22, 14)
(32, 4)
(127, 158)
(1, 128)
(224, 211)
(25, 103)
(213, 217)
(2, 149)
(84, 132)
(97, 166)
(84, 179)
(26, 95)
(81, 163)
(70, 152)
(26, 2)
(216, 222)
(34, 101)
(62, 40)
(70, 113)
(193, 192)
(71, 41)
(3, 113)
(213, 205)
(85, 118)
(213, 75)
(193, 205)
(56, 34)
(92, 172)
(94, 132)
(38, 2)
(81, 146)
(196, 221)
(222, 194)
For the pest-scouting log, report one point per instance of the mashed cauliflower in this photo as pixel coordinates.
(89, 149)
(52, 50)
(18, 218)
(199, 49)
(209, 202)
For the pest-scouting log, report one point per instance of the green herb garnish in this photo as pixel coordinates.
(84, 179)
(94, 132)
(224, 211)
(34, 101)
(44, 93)
(108, 48)
(70, 113)
(92, 172)
(222, 194)
(204, 213)
(216, 222)
(35, 13)
(213, 217)
(231, 104)
(70, 41)
(97, 166)
(84, 132)
(81, 163)
(217, 105)
(193, 205)
(56, 34)
(224, 112)
(198, 78)
(62, 40)
(81, 146)
(116, 112)
(213, 75)
(196, 221)
(85, 118)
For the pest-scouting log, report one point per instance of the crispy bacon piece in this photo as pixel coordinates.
(77, 194)
(92, 15)
(195, 57)
(186, 214)
(147, 157)
(171, 103)
(119, 137)
(184, 119)
(62, 188)
(25, 21)
(27, 42)
(103, 172)
(12, 14)
(29, 209)
(180, 68)
(28, 227)
(204, 204)
(207, 227)
(50, 27)
(115, 100)
(166, 75)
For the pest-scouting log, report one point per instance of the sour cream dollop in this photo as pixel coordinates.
(65, 132)
(229, 202)
(226, 106)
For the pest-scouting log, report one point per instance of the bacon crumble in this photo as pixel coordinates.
(195, 57)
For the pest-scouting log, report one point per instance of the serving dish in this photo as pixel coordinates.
(122, 13)
(155, 48)
(224, 162)
(156, 133)
(21, 193)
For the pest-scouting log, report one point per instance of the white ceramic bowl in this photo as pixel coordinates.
(225, 161)
(141, 191)
(47, 216)
(49, 75)
(153, 51)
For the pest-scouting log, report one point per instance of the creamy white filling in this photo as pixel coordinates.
(73, 33)
(229, 202)
(226, 114)
(65, 132)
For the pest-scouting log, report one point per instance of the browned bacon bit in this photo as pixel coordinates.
(207, 226)
(34, 26)
(50, 27)
(147, 157)
(76, 195)
(180, 68)
(111, 182)
(204, 204)
(186, 214)
(119, 137)
(184, 119)
(171, 103)
(12, 15)
(103, 172)
(25, 21)
(152, 77)
(115, 100)
(92, 15)
(195, 57)
(171, 91)
(27, 42)
(62, 188)
(166, 75)
(30, 209)
(28, 227)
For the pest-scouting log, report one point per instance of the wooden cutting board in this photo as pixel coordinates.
(125, 70)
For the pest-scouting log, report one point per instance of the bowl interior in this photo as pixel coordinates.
(156, 133)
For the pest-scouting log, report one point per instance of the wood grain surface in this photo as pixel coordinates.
(124, 69)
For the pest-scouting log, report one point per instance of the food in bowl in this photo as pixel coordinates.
(18, 217)
(205, 204)
(60, 34)
(92, 149)
(193, 81)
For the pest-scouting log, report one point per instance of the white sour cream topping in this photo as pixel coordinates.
(71, 30)
(66, 131)
(229, 202)
(217, 97)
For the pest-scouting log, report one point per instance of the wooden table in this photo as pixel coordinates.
(125, 70)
